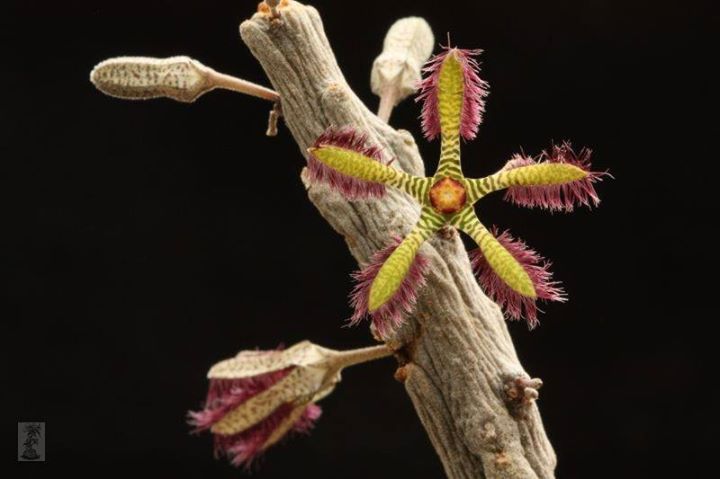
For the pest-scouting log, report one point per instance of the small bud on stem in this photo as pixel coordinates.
(396, 71)
(180, 78)
(520, 393)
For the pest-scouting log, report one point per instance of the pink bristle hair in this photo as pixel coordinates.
(474, 94)
(224, 395)
(515, 305)
(557, 197)
(351, 188)
(390, 315)
(244, 447)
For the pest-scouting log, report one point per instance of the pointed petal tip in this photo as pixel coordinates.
(528, 290)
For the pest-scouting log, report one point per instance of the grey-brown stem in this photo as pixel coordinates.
(456, 350)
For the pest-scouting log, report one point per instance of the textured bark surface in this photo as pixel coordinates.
(456, 353)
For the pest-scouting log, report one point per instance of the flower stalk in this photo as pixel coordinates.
(228, 82)
(352, 357)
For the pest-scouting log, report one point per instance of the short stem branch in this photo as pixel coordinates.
(362, 355)
(227, 82)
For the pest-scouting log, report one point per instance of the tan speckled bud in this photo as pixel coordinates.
(180, 78)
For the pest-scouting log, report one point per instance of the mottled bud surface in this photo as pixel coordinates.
(138, 78)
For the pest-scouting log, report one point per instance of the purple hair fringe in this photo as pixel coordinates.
(351, 188)
(474, 94)
(515, 305)
(558, 197)
(390, 315)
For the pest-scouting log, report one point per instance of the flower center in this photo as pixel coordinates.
(447, 196)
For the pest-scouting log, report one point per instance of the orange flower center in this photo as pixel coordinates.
(447, 196)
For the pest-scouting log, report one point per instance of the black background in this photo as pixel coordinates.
(146, 241)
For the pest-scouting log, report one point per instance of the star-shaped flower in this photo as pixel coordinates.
(512, 274)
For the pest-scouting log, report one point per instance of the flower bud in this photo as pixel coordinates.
(180, 78)
(258, 397)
